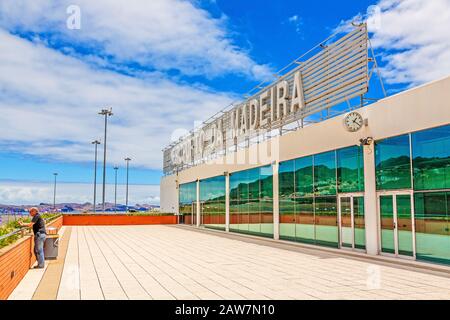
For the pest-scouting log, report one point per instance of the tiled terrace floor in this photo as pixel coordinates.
(166, 262)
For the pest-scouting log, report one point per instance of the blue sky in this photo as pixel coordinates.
(164, 64)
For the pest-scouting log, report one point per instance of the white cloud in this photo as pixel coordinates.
(296, 21)
(164, 34)
(29, 193)
(49, 104)
(413, 38)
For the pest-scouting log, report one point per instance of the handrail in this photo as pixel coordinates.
(24, 229)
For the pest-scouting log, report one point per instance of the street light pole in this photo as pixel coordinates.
(106, 113)
(115, 190)
(128, 163)
(95, 143)
(54, 193)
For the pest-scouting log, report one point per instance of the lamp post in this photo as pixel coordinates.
(128, 163)
(95, 143)
(107, 113)
(54, 193)
(115, 190)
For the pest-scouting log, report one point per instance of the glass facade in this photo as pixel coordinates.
(412, 179)
(212, 202)
(251, 201)
(187, 202)
(429, 181)
(308, 189)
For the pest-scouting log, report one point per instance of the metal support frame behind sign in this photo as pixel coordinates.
(335, 74)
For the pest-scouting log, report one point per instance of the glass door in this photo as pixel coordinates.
(194, 214)
(352, 233)
(396, 223)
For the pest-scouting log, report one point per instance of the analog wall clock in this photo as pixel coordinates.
(353, 121)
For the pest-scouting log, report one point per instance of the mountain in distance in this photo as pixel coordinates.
(77, 207)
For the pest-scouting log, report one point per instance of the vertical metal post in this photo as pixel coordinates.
(115, 190)
(96, 143)
(106, 113)
(128, 163)
(54, 193)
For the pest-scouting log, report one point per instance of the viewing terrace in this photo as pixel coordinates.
(181, 262)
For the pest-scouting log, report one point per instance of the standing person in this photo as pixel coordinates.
(40, 234)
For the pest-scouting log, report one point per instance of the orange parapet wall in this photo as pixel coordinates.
(16, 259)
(116, 219)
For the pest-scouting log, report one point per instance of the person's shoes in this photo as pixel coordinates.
(38, 267)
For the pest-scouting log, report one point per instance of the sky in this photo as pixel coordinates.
(163, 65)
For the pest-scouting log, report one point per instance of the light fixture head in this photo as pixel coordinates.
(366, 141)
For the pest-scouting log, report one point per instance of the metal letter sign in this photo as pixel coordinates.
(338, 73)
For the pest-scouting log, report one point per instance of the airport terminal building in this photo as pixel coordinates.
(374, 178)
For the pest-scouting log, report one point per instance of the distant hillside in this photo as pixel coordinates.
(69, 207)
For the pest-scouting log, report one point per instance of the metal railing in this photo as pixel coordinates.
(24, 230)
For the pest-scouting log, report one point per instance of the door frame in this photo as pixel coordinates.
(350, 195)
(394, 194)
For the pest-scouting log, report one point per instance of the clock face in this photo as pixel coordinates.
(353, 121)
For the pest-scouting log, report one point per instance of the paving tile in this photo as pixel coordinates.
(165, 262)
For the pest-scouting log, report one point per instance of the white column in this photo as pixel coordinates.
(276, 209)
(198, 203)
(370, 200)
(227, 202)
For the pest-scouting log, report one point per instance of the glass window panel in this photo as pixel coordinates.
(431, 158)
(432, 225)
(287, 219)
(243, 215)
(304, 176)
(404, 225)
(359, 222)
(234, 181)
(286, 179)
(325, 219)
(234, 215)
(387, 223)
(243, 185)
(392, 159)
(304, 218)
(254, 216)
(187, 201)
(346, 222)
(266, 176)
(266, 217)
(325, 173)
(253, 183)
(350, 169)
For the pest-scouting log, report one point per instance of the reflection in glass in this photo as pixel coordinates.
(286, 200)
(387, 223)
(303, 177)
(212, 202)
(251, 201)
(432, 225)
(325, 173)
(187, 194)
(325, 219)
(287, 219)
(393, 167)
(404, 225)
(346, 222)
(359, 223)
(304, 228)
(350, 169)
(431, 158)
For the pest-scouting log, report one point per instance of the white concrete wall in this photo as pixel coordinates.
(169, 194)
(420, 108)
